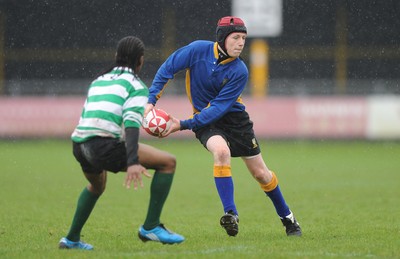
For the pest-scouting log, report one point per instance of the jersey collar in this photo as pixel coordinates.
(216, 55)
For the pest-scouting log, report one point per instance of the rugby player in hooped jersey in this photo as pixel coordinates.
(115, 105)
(215, 79)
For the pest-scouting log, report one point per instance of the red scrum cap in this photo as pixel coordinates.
(227, 25)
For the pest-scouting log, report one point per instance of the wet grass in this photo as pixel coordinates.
(344, 194)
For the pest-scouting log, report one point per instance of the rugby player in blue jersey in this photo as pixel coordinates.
(215, 80)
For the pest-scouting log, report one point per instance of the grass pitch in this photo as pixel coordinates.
(346, 196)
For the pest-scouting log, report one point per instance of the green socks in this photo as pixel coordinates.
(86, 203)
(159, 189)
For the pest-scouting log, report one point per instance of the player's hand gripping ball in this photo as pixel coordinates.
(156, 123)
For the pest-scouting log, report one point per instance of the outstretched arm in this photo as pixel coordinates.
(134, 170)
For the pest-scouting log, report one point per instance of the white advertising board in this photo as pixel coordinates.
(263, 18)
(384, 117)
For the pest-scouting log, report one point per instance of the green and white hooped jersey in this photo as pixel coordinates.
(115, 100)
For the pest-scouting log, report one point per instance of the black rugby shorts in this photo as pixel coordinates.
(237, 129)
(99, 154)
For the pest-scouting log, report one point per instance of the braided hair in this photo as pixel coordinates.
(130, 49)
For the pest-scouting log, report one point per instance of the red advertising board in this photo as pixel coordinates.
(332, 117)
(275, 117)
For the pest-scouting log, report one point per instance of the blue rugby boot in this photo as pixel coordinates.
(160, 234)
(67, 244)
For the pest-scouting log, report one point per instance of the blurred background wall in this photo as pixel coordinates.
(327, 48)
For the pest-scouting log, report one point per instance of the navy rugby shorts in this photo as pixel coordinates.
(237, 129)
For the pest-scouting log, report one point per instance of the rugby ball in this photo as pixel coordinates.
(156, 123)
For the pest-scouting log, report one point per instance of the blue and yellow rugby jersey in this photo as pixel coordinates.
(213, 89)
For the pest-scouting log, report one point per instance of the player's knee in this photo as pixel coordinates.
(97, 182)
(222, 155)
(97, 189)
(262, 175)
(169, 164)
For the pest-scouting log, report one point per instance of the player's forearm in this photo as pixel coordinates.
(132, 145)
(205, 117)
